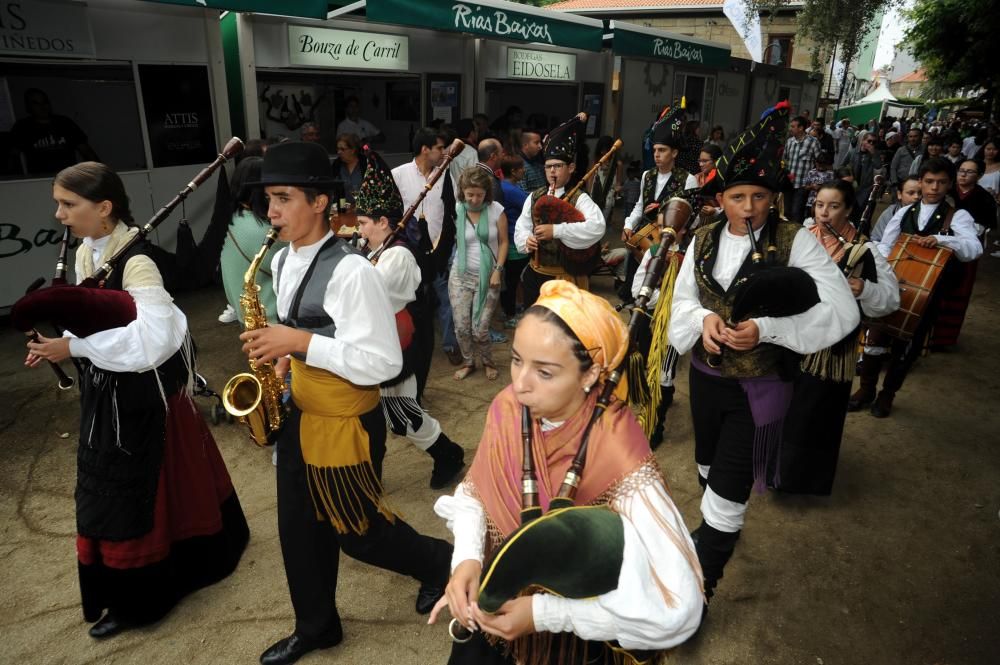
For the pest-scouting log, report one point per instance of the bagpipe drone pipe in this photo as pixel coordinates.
(89, 308)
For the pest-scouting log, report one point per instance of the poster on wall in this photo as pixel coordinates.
(177, 102)
(593, 95)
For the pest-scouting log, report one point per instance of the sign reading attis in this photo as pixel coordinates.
(658, 45)
(45, 27)
(323, 47)
(492, 18)
(540, 65)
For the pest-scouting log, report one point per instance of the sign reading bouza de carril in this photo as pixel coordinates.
(661, 47)
(490, 19)
(323, 47)
(540, 65)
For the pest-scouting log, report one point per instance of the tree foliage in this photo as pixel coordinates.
(843, 24)
(954, 40)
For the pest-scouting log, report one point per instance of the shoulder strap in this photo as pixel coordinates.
(946, 227)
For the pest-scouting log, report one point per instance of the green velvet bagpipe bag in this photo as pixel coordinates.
(574, 552)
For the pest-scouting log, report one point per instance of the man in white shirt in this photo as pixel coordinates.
(355, 124)
(336, 331)
(935, 223)
(560, 248)
(739, 388)
(434, 232)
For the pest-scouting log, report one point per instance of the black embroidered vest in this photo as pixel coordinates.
(764, 359)
(674, 186)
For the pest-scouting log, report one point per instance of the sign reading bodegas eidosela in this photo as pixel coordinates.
(324, 47)
(524, 63)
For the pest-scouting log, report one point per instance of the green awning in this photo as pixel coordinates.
(495, 19)
(300, 8)
(634, 40)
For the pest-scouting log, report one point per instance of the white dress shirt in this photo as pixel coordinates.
(411, 182)
(879, 298)
(159, 328)
(575, 235)
(365, 348)
(817, 328)
(965, 243)
(634, 220)
(400, 276)
(635, 613)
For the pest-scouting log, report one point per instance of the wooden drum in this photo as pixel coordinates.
(919, 271)
(643, 239)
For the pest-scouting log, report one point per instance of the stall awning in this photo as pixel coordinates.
(629, 39)
(494, 19)
(299, 8)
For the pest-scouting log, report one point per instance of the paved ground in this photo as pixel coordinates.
(899, 566)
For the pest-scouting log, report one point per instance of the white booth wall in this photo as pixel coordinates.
(124, 33)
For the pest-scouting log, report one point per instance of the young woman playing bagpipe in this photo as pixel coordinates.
(807, 462)
(157, 516)
(564, 350)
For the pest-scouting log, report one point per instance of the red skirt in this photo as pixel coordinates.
(198, 535)
(956, 291)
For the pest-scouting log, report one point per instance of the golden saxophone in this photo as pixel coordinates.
(255, 396)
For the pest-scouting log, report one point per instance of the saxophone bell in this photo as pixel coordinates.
(255, 396)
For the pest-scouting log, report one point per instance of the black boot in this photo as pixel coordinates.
(882, 407)
(449, 458)
(714, 548)
(868, 371)
(666, 399)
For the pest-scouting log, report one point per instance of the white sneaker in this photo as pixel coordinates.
(228, 315)
(995, 255)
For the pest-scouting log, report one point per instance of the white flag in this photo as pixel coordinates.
(747, 24)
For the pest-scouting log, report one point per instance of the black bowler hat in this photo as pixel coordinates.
(297, 164)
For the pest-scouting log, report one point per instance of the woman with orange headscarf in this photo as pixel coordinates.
(564, 349)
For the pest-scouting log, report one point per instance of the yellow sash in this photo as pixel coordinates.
(335, 447)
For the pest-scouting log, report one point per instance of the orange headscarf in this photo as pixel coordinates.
(591, 318)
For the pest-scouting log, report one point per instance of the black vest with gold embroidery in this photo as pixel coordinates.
(674, 186)
(764, 359)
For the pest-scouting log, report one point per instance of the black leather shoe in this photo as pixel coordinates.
(882, 407)
(427, 596)
(294, 647)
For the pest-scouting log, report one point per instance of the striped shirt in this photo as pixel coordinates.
(800, 157)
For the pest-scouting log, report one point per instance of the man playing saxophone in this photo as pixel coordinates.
(336, 331)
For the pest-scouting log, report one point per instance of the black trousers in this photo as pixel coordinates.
(531, 282)
(311, 548)
(512, 277)
(814, 427)
(903, 355)
(723, 434)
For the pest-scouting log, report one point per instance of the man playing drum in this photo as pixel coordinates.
(935, 223)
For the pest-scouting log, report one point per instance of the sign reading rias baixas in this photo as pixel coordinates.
(664, 46)
(540, 65)
(495, 19)
(323, 47)
(45, 27)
